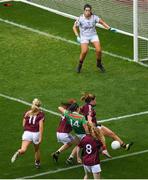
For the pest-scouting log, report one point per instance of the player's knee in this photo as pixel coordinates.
(84, 52)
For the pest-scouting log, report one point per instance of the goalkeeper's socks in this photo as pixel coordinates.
(98, 62)
(100, 66)
(79, 66)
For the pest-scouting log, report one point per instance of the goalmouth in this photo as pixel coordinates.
(127, 17)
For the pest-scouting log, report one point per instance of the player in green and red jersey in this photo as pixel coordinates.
(78, 124)
(76, 120)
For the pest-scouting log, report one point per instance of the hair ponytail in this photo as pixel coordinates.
(67, 104)
(87, 97)
(35, 105)
(96, 133)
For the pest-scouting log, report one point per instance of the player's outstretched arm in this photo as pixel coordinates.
(61, 109)
(106, 26)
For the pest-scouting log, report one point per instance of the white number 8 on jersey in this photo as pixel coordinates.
(88, 148)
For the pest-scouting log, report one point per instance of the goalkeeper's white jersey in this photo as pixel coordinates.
(87, 26)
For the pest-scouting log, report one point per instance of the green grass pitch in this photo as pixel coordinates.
(33, 65)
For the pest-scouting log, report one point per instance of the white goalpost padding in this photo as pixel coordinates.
(128, 17)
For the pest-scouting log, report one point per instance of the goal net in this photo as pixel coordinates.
(143, 29)
(118, 13)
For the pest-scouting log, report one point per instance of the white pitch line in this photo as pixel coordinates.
(58, 114)
(50, 172)
(66, 40)
(123, 117)
(29, 104)
(77, 166)
(52, 112)
(58, 37)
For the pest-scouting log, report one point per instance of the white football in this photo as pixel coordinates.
(115, 145)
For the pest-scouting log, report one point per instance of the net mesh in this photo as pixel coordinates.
(143, 29)
(117, 13)
(112, 11)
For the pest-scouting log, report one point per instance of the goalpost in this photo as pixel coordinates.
(129, 17)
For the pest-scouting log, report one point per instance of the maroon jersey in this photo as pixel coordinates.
(63, 126)
(88, 109)
(90, 150)
(32, 122)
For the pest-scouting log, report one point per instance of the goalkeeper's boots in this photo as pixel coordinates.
(70, 161)
(127, 146)
(101, 68)
(106, 153)
(78, 70)
(55, 156)
(14, 157)
(37, 164)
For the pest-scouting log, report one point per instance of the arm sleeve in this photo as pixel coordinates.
(96, 18)
(77, 22)
(80, 144)
(25, 113)
(66, 113)
(84, 121)
(42, 116)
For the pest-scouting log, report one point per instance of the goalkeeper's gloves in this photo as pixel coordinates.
(78, 39)
(112, 29)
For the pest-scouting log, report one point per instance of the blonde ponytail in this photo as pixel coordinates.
(96, 133)
(35, 105)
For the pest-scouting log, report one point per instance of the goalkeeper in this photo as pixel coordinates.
(86, 24)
